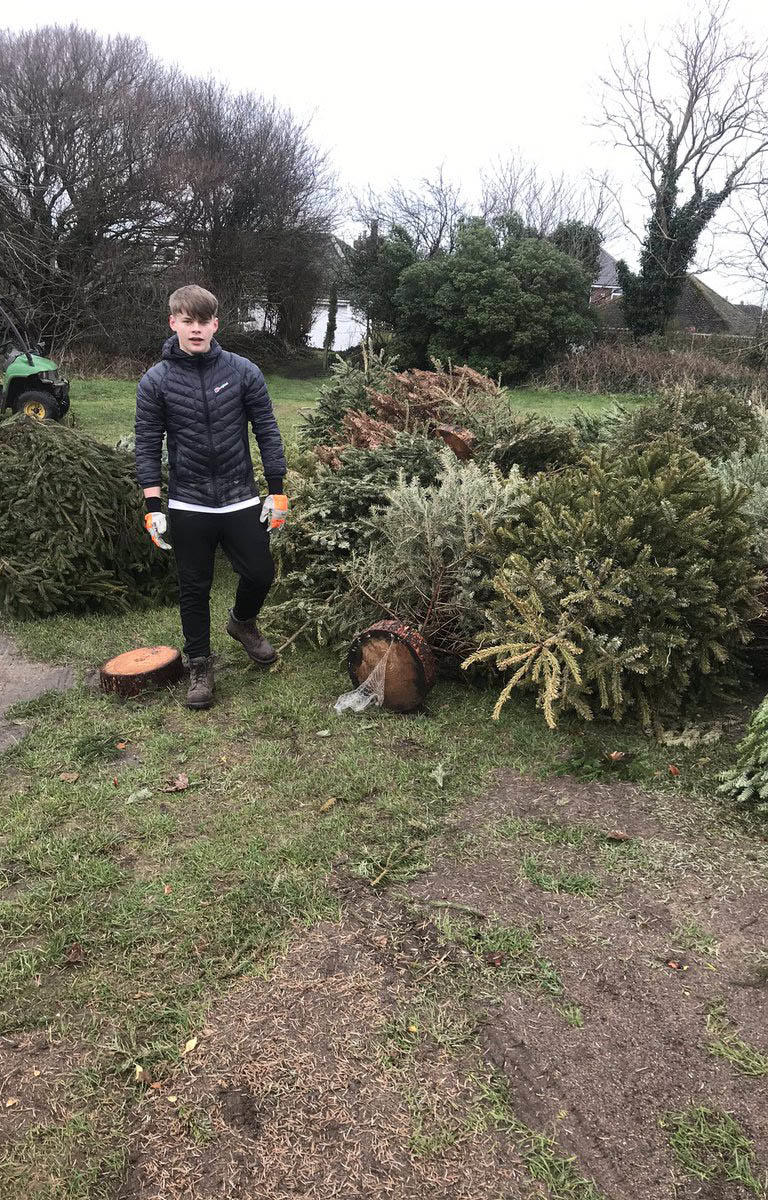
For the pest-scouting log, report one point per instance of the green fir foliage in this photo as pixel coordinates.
(715, 422)
(746, 784)
(430, 558)
(749, 470)
(330, 522)
(347, 389)
(71, 525)
(510, 438)
(627, 587)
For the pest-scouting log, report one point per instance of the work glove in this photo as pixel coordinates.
(275, 510)
(156, 524)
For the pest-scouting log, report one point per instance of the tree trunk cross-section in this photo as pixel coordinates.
(411, 668)
(136, 670)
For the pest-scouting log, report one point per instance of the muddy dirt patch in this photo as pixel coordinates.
(291, 1092)
(21, 679)
(526, 1017)
(661, 996)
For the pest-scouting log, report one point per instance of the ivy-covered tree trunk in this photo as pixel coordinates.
(652, 294)
(330, 329)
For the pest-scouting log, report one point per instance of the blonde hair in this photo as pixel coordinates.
(195, 301)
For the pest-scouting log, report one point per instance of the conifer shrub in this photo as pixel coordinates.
(71, 525)
(627, 587)
(749, 470)
(429, 557)
(508, 438)
(329, 522)
(715, 422)
(746, 784)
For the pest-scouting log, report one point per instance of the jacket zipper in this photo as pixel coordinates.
(201, 368)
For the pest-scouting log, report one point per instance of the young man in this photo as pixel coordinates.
(203, 397)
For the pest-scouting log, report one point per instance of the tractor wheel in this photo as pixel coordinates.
(40, 405)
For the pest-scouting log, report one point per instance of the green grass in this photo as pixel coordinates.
(505, 955)
(711, 1145)
(125, 908)
(559, 406)
(130, 907)
(690, 936)
(564, 881)
(106, 408)
(726, 1043)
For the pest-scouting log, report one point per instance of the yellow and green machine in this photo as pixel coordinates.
(31, 383)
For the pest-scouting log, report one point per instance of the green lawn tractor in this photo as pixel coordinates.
(31, 383)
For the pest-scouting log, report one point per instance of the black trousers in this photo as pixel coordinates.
(244, 540)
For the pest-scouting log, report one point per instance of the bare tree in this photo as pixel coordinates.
(692, 111)
(429, 212)
(254, 203)
(120, 178)
(744, 239)
(85, 125)
(545, 200)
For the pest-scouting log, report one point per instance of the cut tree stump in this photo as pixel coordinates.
(137, 670)
(411, 668)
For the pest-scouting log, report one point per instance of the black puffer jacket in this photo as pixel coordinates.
(204, 402)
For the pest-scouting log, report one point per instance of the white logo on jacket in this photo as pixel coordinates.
(221, 387)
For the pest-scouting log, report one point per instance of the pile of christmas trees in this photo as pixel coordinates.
(71, 531)
(627, 586)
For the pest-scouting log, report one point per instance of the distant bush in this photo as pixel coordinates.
(501, 302)
(269, 352)
(612, 369)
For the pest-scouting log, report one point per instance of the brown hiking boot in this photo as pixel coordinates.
(200, 691)
(250, 636)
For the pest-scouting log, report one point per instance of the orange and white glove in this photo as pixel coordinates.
(156, 524)
(275, 510)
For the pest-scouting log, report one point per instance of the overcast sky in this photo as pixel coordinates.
(396, 89)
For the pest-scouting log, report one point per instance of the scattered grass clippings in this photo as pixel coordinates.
(539, 1152)
(726, 1043)
(690, 936)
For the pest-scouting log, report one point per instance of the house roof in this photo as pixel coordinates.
(700, 308)
(733, 318)
(606, 271)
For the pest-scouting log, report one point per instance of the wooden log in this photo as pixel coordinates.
(411, 669)
(136, 670)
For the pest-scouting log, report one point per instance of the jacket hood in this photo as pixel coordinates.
(172, 349)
